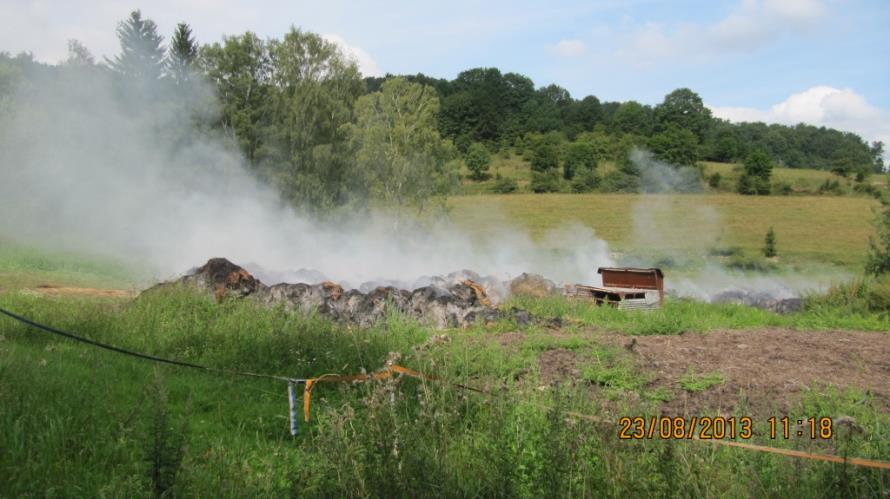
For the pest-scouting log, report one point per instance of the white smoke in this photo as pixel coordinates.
(715, 281)
(660, 177)
(682, 227)
(89, 166)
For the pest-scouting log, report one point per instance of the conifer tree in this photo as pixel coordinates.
(769, 247)
(181, 54)
(142, 53)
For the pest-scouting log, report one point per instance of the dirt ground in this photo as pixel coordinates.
(767, 370)
(48, 289)
(763, 371)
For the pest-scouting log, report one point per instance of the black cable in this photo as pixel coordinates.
(152, 358)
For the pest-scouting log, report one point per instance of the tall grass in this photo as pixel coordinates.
(680, 316)
(76, 421)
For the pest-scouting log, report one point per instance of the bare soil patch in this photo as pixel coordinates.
(49, 289)
(558, 364)
(765, 370)
(511, 340)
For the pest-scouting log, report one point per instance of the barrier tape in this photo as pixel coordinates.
(855, 461)
(387, 372)
(384, 373)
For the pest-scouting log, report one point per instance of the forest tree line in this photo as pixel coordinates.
(309, 123)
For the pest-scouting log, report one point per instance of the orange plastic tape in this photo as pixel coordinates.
(307, 393)
(856, 461)
(387, 372)
(384, 373)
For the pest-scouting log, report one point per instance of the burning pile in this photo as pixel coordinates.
(455, 300)
(441, 305)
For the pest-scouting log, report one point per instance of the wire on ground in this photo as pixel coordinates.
(389, 370)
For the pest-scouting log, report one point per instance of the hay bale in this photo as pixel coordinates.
(533, 285)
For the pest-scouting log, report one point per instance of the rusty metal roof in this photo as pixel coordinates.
(616, 290)
(631, 269)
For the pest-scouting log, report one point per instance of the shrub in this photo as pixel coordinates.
(758, 168)
(830, 186)
(616, 181)
(714, 180)
(861, 176)
(751, 264)
(504, 185)
(478, 160)
(519, 146)
(586, 182)
(856, 296)
(463, 142)
(548, 181)
(868, 189)
(878, 262)
(750, 185)
(580, 158)
(725, 251)
(545, 157)
(878, 296)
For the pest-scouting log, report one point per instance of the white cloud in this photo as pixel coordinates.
(366, 64)
(570, 48)
(751, 25)
(843, 109)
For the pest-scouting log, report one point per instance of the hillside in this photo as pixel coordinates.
(827, 229)
(800, 181)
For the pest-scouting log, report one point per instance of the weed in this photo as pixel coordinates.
(164, 436)
(692, 382)
(610, 370)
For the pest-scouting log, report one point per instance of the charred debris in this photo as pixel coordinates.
(456, 300)
(446, 305)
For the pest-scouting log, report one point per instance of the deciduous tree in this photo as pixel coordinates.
(580, 157)
(684, 108)
(240, 68)
(755, 178)
(313, 89)
(478, 160)
(399, 152)
(676, 146)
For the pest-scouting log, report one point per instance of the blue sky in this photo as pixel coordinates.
(819, 61)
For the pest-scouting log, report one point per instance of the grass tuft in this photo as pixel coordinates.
(692, 382)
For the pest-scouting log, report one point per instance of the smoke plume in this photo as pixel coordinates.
(94, 166)
(686, 227)
(90, 165)
(660, 177)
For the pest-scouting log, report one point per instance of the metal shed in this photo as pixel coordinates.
(626, 288)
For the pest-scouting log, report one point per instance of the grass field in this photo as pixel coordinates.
(831, 230)
(24, 267)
